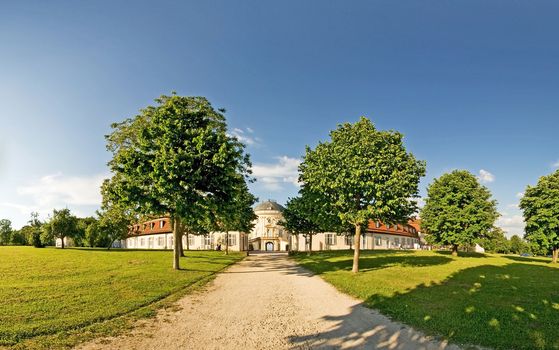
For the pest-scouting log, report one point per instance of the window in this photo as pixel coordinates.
(378, 241)
(161, 223)
(232, 240)
(152, 225)
(160, 241)
(190, 240)
(348, 240)
(142, 242)
(330, 239)
(378, 224)
(397, 241)
(171, 241)
(208, 239)
(150, 242)
(364, 241)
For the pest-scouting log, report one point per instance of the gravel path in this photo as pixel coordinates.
(268, 302)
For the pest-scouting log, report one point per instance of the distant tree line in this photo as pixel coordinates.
(100, 231)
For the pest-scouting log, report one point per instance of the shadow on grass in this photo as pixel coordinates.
(523, 259)
(329, 262)
(514, 306)
(462, 254)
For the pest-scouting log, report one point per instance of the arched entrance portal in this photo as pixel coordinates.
(269, 246)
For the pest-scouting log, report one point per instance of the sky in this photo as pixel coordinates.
(472, 85)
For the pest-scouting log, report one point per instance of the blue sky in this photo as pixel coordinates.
(472, 85)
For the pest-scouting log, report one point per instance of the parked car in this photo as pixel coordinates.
(525, 254)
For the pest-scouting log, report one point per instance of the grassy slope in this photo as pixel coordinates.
(504, 302)
(53, 291)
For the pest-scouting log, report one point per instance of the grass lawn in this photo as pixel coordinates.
(54, 298)
(498, 301)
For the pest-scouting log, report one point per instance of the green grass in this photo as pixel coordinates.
(498, 301)
(54, 297)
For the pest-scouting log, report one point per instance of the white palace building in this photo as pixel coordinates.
(269, 235)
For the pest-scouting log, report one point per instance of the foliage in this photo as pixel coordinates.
(53, 291)
(174, 159)
(309, 214)
(18, 238)
(517, 245)
(36, 224)
(81, 228)
(5, 231)
(458, 210)
(62, 224)
(540, 205)
(236, 213)
(499, 302)
(495, 241)
(364, 174)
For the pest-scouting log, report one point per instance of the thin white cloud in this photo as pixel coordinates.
(274, 175)
(520, 195)
(244, 136)
(512, 224)
(485, 176)
(58, 190)
(556, 164)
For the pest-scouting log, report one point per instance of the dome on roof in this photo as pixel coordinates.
(269, 205)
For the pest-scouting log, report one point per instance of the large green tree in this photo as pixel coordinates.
(540, 205)
(458, 210)
(364, 174)
(61, 225)
(5, 231)
(173, 159)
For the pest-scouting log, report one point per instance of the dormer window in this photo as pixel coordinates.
(161, 223)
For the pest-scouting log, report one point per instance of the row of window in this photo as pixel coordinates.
(208, 241)
(348, 240)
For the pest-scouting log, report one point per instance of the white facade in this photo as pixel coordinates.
(238, 241)
(269, 235)
(369, 240)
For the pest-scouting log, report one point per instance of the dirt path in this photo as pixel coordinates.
(268, 302)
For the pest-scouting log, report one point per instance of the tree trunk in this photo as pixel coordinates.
(356, 249)
(187, 242)
(176, 244)
(181, 249)
(454, 250)
(226, 242)
(555, 255)
(310, 245)
(62, 242)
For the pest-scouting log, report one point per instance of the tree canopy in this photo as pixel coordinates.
(364, 174)
(61, 225)
(5, 231)
(540, 206)
(458, 210)
(175, 158)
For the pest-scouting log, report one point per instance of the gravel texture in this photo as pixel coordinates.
(268, 302)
